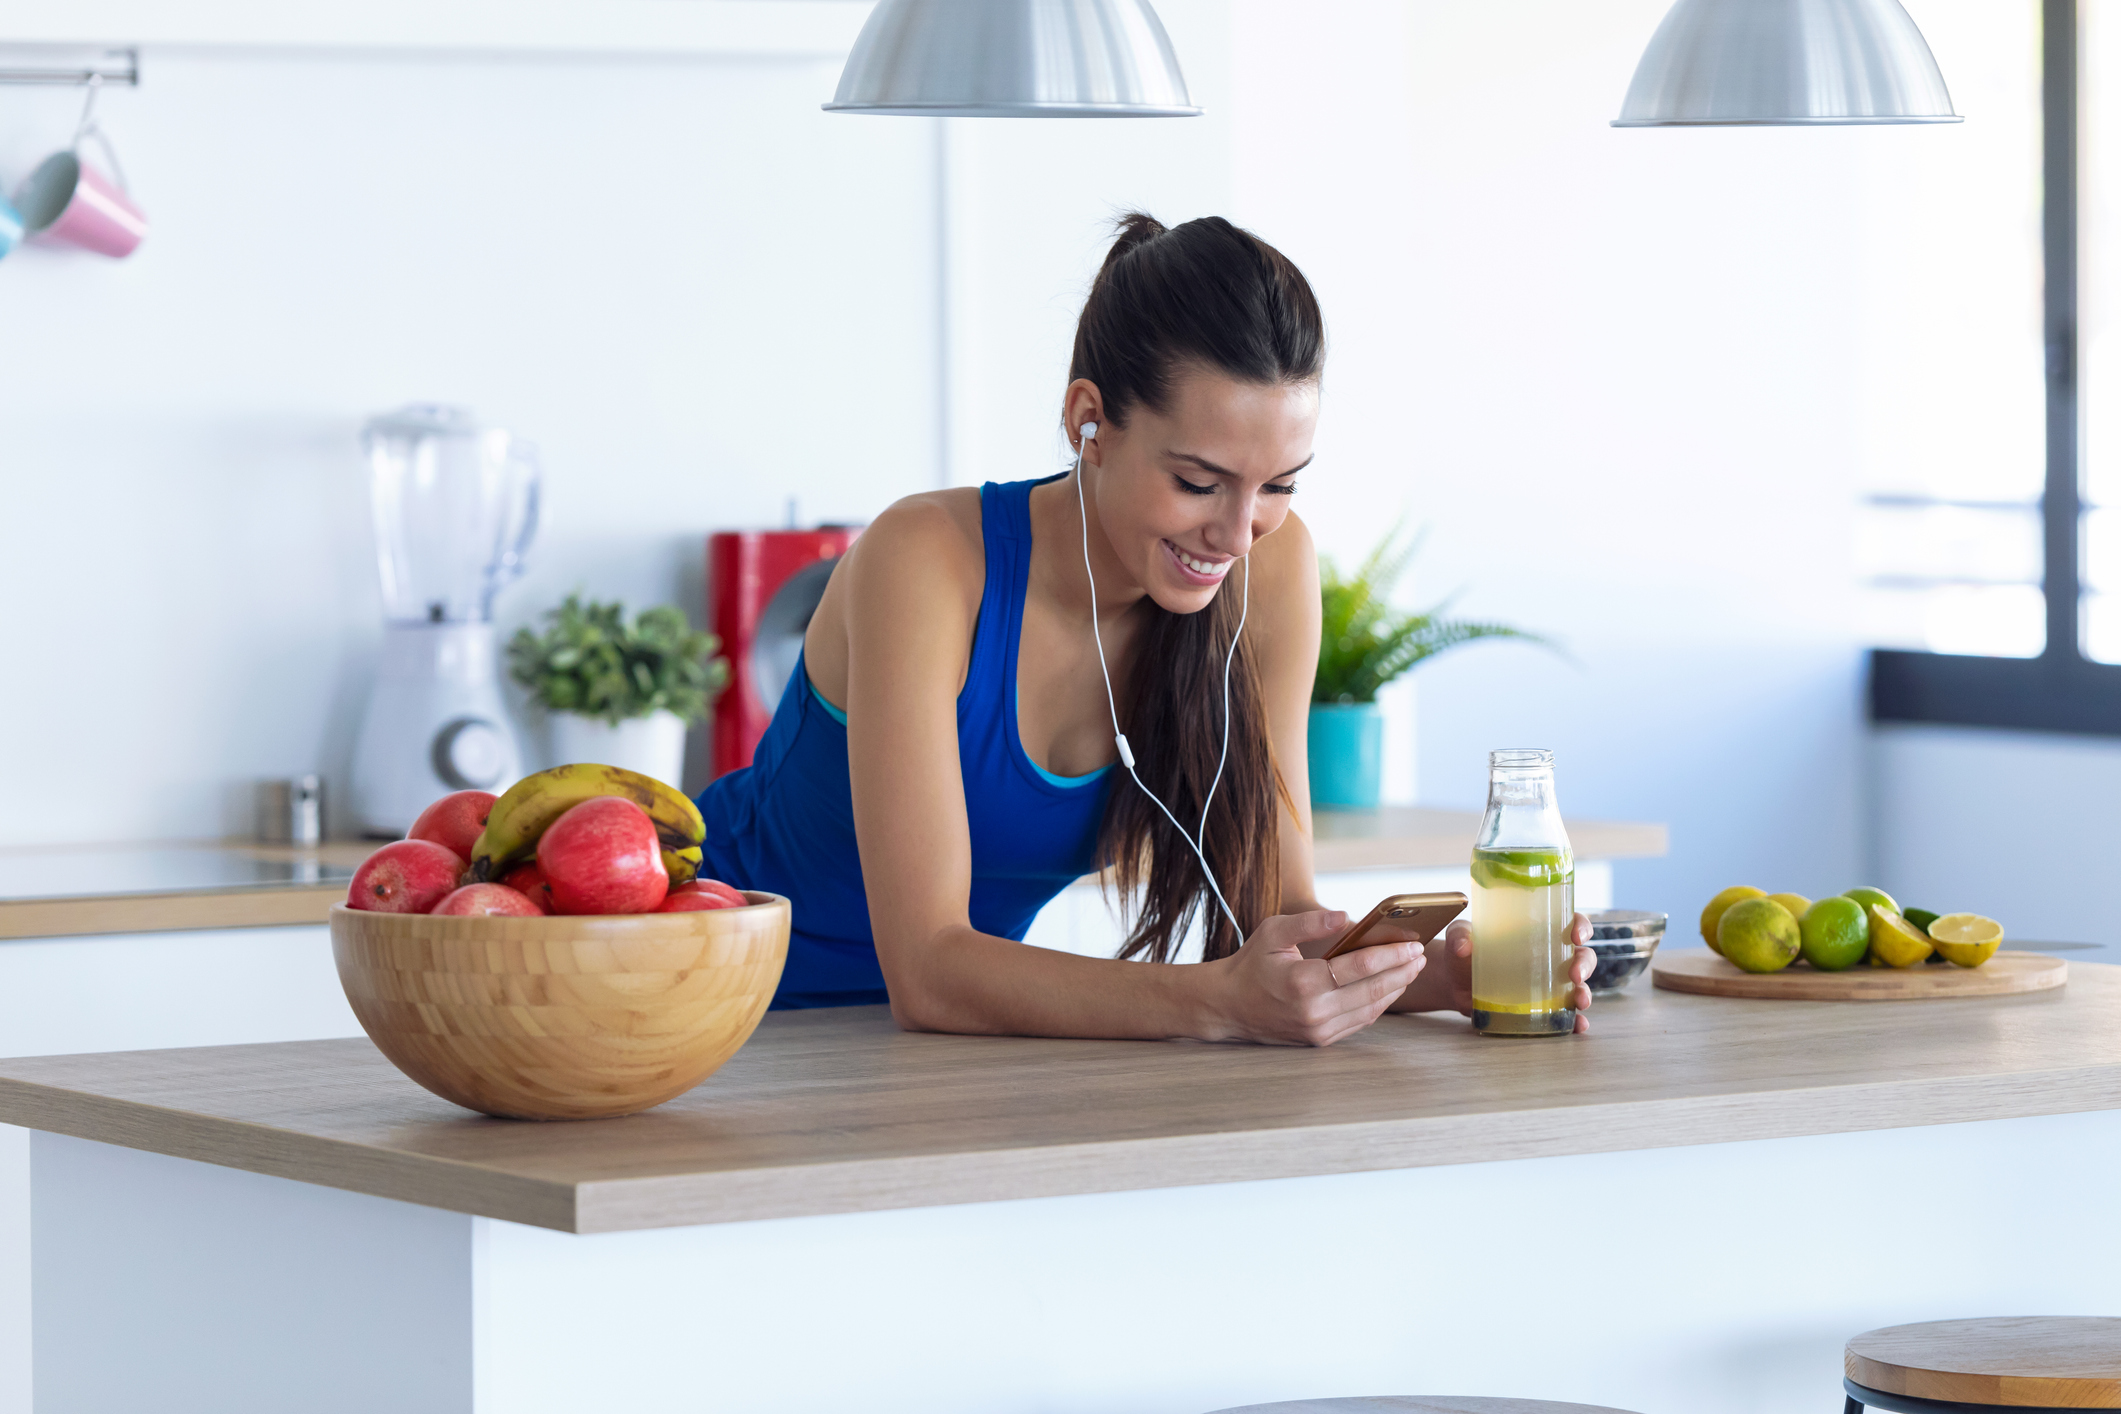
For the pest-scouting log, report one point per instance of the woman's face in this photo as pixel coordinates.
(1182, 494)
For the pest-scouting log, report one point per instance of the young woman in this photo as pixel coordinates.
(943, 762)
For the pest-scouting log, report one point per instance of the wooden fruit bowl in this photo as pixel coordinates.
(561, 1018)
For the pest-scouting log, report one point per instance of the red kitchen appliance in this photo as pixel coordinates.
(763, 586)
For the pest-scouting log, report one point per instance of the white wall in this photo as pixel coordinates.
(698, 293)
(2022, 828)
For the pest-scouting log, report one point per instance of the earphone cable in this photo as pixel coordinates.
(1119, 738)
(1244, 607)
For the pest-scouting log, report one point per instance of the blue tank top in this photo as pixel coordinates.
(785, 823)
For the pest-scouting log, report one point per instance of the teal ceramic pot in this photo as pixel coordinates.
(1346, 749)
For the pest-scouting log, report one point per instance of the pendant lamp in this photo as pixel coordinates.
(1014, 59)
(1786, 63)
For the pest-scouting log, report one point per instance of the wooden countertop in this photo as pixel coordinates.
(161, 888)
(839, 1111)
(67, 890)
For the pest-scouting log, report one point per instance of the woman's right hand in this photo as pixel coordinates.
(1270, 992)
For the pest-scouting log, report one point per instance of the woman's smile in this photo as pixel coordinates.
(1198, 571)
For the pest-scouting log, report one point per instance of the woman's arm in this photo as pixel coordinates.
(908, 620)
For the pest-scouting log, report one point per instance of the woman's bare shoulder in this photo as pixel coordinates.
(1287, 562)
(933, 536)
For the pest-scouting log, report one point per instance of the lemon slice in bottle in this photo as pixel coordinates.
(1967, 939)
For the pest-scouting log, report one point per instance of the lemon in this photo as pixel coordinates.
(1759, 935)
(1713, 914)
(1868, 897)
(1522, 868)
(1922, 918)
(1967, 938)
(1894, 940)
(1836, 933)
(1795, 903)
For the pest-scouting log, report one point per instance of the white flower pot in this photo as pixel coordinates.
(653, 745)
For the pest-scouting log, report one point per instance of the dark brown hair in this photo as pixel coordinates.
(1202, 295)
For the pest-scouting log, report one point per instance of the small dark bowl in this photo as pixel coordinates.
(1624, 939)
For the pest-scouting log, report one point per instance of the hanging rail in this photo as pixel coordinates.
(120, 66)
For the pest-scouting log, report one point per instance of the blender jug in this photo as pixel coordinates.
(455, 504)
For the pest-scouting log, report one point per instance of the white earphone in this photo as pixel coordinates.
(1119, 738)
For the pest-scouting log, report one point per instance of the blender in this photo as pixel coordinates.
(455, 504)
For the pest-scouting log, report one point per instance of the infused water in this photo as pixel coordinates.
(1523, 901)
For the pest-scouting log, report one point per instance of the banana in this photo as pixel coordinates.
(683, 865)
(528, 807)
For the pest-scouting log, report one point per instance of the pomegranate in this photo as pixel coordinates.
(529, 881)
(690, 901)
(602, 856)
(454, 821)
(714, 888)
(411, 876)
(497, 899)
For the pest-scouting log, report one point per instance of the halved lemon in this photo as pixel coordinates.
(1895, 940)
(1967, 938)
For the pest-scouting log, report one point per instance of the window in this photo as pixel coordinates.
(1951, 407)
(2099, 321)
(1995, 562)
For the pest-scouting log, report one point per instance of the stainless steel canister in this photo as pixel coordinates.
(291, 811)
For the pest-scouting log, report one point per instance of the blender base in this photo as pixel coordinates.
(435, 723)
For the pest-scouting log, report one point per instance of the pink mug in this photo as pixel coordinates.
(66, 201)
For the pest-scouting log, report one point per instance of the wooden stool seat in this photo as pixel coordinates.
(2004, 1362)
(1422, 1404)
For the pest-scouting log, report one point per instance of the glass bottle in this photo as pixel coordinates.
(1524, 899)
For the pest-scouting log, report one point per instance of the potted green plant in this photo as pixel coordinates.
(1365, 644)
(619, 693)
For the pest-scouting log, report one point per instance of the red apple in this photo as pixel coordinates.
(454, 821)
(714, 888)
(411, 876)
(476, 899)
(602, 856)
(529, 881)
(689, 901)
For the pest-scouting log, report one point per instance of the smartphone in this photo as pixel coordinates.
(1423, 915)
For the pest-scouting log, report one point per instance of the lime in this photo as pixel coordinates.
(1759, 935)
(1868, 896)
(1713, 914)
(1795, 903)
(1836, 933)
(1967, 938)
(1894, 940)
(1521, 868)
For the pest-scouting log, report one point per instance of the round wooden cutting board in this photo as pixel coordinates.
(2006, 972)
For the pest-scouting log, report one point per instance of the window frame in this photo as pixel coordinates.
(2061, 690)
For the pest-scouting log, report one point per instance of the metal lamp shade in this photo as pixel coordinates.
(1786, 63)
(1014, 59)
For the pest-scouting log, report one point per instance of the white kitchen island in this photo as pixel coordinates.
(124, 947)
(1685, 1212)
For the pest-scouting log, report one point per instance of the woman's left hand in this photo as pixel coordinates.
(1447, 983)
